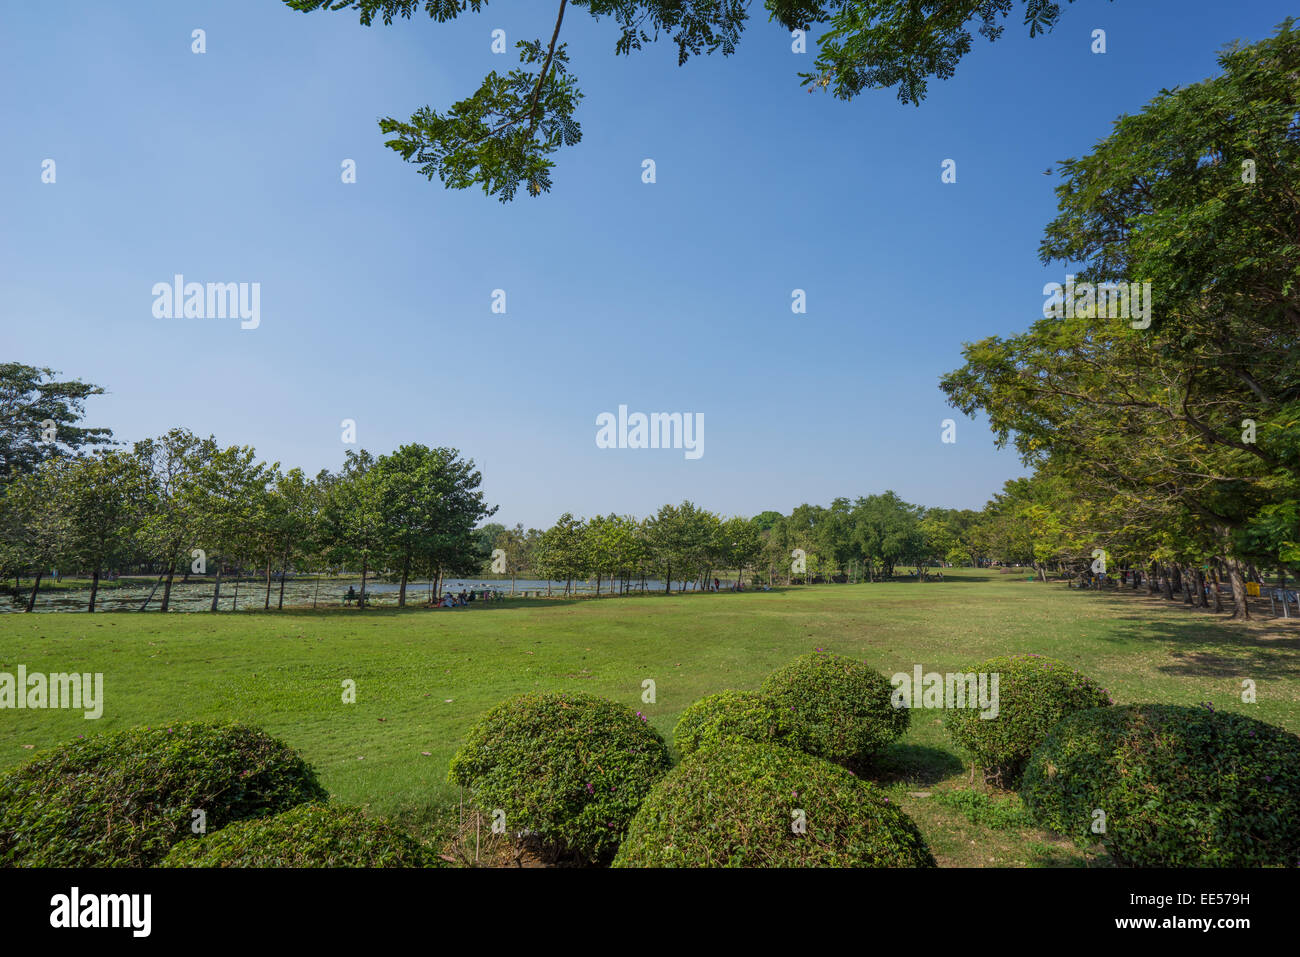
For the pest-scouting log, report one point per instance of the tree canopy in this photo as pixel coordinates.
(503, 135)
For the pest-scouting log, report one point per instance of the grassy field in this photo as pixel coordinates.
(424, 676)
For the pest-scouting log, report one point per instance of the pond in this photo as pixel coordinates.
(248, 595)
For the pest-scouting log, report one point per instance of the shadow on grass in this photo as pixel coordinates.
(1066, 855)
(1211, 648)
(914, 764)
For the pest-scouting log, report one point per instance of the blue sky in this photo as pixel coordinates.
(666, 297)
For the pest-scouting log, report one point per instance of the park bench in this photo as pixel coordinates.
(1285, 597)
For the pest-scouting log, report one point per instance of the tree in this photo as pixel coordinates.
(42, 524)
(562, 551)
(352, 516)
(102, 497)
(175, 494)
(39, 416)
(429, 504)
(503, 135)
(742, 544)
(235, 514)
(286, 516)
(1196, 405)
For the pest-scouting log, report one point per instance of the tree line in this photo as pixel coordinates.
(1174, 446)
(183, 505)
(180, 504)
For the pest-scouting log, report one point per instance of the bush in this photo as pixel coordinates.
(731, 716)
(122, 799)
(734, 806)
(1180, 787)
(570, 768)
(310, 835)
(1033, 694)
(841, 708)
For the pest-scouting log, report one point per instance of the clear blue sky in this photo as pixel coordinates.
(375, 297)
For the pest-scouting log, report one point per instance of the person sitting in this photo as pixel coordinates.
(471, 596)
(351, 596)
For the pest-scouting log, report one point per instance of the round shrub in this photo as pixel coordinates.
(570, 768)
(731, 716)
(122, 799)
(1033, 694)
(841, 708)
(737, 805)
(310, 835)
(1179, 786)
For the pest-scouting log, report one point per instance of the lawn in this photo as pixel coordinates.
(423, 677)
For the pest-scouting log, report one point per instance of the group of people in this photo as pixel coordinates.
(463, 598)
(731, 586)
(448, 600)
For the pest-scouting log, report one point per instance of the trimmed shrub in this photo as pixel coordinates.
(731, 716)
(570, 768)
(841, 708)
(310, 835)
(122, 799)
(737, 804)
(1033, 694)
(1180, 787)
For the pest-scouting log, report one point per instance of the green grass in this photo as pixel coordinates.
(284, 672)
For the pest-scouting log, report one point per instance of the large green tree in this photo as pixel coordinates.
(502, 136)
(39, 418)
(1196, 404)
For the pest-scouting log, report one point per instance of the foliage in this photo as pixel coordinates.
(841, 708)
(123, 798)
(570, 768)
(1176, 432)
(503, 134)
(1034, 693)
(731, 716)
(310, 835)
(33, 399)
(1179, 786)
(742, 804)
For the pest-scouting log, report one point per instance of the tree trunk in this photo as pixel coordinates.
(94, 589)
(266, 605)
(216, 592)
(284, 569)
(1240, 607)
(1202, 599)
(149, 597)
(31, 599)
(406, 571)
(361, 600)
(167, 587)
